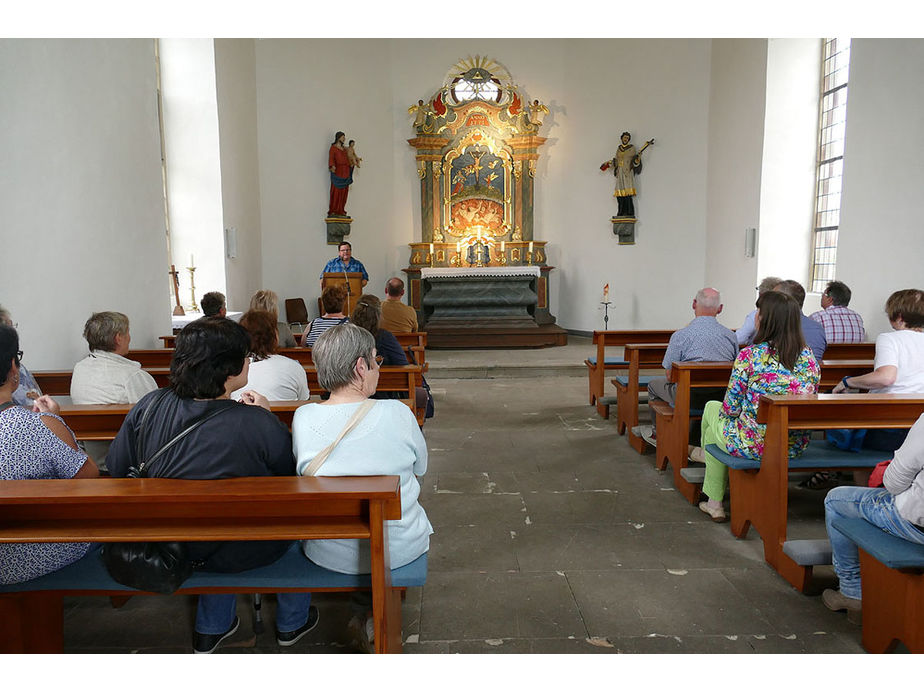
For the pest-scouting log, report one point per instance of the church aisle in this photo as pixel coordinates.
(551, 536)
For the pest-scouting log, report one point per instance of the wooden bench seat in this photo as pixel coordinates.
(252, 508)
(598, 364)
(892, 574)
(859, 351)
(631, 385)
(759, 496)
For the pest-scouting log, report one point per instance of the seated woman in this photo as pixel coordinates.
(106, 376)
(232, 439)
(267, 300)
(368, 315)
(386, 440)
(34, 444)
(274, 376)
(333, 299)
(899, 363)
(777, 363)
(898, 509)
(28, 390)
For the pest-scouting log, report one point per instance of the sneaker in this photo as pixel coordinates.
(717, 514)
(836, 601)
(696, 454)
(646, 433)
(293, 636)
(206, 644)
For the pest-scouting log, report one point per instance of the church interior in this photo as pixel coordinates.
(551, 534)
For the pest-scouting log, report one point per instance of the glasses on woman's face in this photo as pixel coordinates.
(379, 359)
(19, 356)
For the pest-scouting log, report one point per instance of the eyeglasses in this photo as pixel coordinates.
(18, 356)
(379, 359)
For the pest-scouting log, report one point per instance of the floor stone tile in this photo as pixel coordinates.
(472, 548)
(476, 509)
(582, 547)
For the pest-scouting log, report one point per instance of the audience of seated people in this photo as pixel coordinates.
(105, 376)
(397, 316)
(703, 339)
(28, 390)
(386, 440)
(267, 300)
(333, 299)
(232, 439)
(368, 315)
(35, 443)
(274, 376)
(778, 363)
(842, 325)
(212, 304)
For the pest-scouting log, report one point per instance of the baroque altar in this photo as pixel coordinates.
(477, 146)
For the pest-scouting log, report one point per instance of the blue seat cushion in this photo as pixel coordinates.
(886, 548)
(817, 455)
(643, 380)
(292, 570)
(608, 361)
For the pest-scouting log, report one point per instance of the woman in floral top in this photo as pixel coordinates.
(778, 363)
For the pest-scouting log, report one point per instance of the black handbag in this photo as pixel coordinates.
(152, 566)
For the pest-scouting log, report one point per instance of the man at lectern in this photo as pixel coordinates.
(345, 262)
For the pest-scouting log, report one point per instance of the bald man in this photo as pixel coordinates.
(704, 339)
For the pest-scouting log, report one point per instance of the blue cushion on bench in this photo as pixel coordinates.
(608, 361)
(292, 570)
(643, 380)
(808, 551)
(886, 548)
(817, 455)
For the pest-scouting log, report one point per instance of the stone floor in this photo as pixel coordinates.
(551, 536)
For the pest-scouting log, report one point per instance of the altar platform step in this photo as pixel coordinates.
(502, 337)
(496, 362)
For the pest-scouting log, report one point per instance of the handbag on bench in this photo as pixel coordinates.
(152, 566)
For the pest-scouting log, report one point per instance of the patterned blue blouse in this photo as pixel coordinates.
(28, 450)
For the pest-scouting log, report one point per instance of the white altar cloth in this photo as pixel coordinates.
(181, 321)
(500, 271)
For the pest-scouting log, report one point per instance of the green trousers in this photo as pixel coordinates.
(716, 481)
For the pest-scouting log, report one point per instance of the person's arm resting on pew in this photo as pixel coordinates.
(884, 376)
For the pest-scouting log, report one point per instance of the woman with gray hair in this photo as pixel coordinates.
(268, 300)
(375, 437)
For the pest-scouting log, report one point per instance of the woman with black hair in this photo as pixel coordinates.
(777, 363)
(232, 439)
(34, 444)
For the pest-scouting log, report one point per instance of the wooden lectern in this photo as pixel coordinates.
(354, 284)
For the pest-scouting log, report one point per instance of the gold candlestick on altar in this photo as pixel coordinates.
(456, 260)
(192, 288)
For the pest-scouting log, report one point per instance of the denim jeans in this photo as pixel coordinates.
(875, 505)
(216, 612)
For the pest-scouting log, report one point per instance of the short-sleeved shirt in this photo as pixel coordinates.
(104, 377)
(757, 371)
(278, 378)
(903, 349)
(398, 317)
(704, 339)
(842, 325)
(29, 450)
(318, 326)
(336, 265)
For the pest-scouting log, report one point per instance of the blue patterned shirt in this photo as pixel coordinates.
(336, 265)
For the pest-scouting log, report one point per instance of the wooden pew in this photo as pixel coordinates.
(628, 387)
(58, 383)
(599, 364)
(673, 423)
(414, 344)
(249, 508)
(759, 497)
(854, 352)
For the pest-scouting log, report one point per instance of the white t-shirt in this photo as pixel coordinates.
(278, 378)
(387, 441)
(903, 349)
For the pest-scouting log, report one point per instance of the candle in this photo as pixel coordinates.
(458, 246)
(503, 246)
(530, 246)
(431, 249)
(192, 263)
(606, 292)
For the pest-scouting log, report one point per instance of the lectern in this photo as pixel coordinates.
(354, 287)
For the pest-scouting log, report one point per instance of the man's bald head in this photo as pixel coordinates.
(708, 301)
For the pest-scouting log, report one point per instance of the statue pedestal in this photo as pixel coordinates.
(337, 228)
(624, 228)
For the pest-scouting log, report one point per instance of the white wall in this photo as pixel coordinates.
(81, 204)
(737, 99)
(595, 90)
(787, 202)
(235, 75)
(194, 174)
(880, 245)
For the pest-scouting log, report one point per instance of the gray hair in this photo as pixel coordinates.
(265, 299)
(101, 329)
(767, 284)
(5, 316)
(708, 299)
(336, 352)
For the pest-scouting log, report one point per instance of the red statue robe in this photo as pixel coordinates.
(340, 180)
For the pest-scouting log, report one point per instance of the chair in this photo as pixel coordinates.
(296, 311)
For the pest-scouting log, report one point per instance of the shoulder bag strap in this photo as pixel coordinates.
(7, 405)
(321, 457)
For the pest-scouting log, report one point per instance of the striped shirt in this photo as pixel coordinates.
(317, 327)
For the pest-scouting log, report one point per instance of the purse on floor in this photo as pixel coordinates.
(152, 566)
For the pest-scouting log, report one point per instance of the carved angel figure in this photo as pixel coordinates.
(536, 110)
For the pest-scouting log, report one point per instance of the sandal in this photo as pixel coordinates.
(819, 481)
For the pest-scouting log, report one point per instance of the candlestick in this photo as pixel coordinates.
(192, 287)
